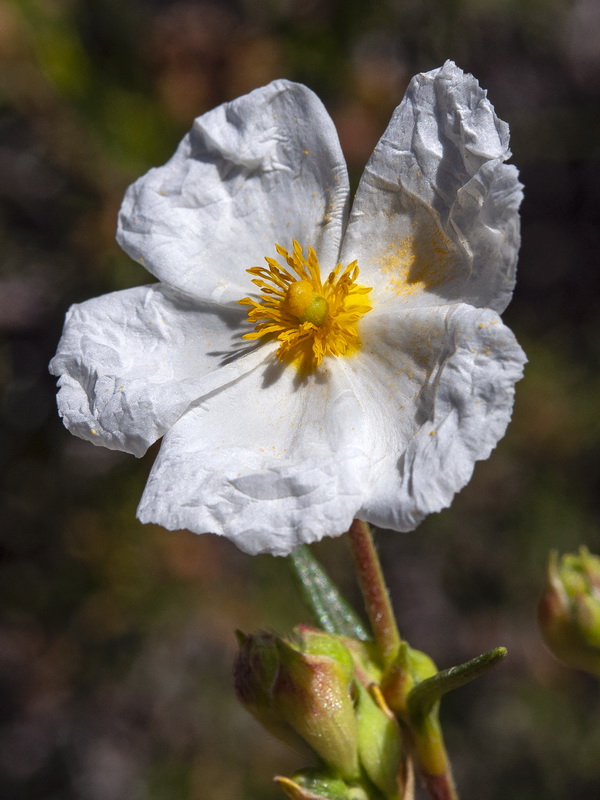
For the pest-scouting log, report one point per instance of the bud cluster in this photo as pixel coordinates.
(569, 610)
(310, 689)
(367, 709)
(329, 694)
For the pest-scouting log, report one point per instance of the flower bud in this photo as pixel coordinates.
(379, 742)
(302, 688)
(569, 610)
(367, 664)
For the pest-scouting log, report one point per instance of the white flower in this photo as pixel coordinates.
(368, 393)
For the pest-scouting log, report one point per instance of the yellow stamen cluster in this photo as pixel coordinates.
(312, 319)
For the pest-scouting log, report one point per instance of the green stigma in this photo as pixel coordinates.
(316, 311)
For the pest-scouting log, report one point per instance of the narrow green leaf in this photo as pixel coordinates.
(422, 698)
(321, 595)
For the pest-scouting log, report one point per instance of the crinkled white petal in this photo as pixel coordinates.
(435, 218)
(131, 362)
(437, 388)
(263, 169)
(270, 462)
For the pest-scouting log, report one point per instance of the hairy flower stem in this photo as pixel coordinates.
(428, 746)
(374, 591)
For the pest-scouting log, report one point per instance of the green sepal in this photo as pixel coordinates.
(332, 612)
(313, 784)
(424, 696)
(313, 693)
(255, 671)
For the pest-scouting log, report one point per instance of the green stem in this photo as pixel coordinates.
(374, 591)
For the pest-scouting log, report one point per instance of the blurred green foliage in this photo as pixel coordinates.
(116, 640)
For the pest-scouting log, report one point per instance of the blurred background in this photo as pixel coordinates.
(116, 639)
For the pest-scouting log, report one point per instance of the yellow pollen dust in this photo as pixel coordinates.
(310, 318)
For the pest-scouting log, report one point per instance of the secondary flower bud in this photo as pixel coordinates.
(569, 610)
(410, 668)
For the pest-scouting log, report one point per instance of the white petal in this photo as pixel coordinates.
(435, 217)
(270, 462)
(130, 363)
(437, 386)
(263, 169)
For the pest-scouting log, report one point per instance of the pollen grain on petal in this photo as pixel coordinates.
(311, 318)
(420, 262)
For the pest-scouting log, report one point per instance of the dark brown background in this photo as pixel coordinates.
(116, 640)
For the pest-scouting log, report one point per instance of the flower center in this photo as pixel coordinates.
(303, 302)
(311, 318)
